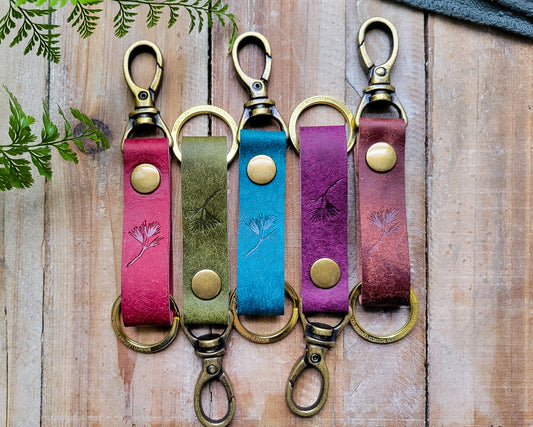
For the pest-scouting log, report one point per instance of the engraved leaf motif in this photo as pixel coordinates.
(325, 209)
(260, 227)
(386, 221)
(142, 234)
(202, 219)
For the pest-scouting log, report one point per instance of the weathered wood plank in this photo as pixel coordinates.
(88, 376)
(480, 175)
(21, 252)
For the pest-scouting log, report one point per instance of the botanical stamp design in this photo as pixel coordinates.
(386, 221)
(324, 209)
(264, 226)
(142, 233)
(202, 219)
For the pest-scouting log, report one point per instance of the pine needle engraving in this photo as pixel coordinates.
(202, 219)
(142, 233)
(386, 221)
(261, 226)
(325, 209)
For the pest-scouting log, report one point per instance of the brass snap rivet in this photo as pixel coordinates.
(145, 178)
(381, 157)
(206, 284)
(325, 273)
(261, 169)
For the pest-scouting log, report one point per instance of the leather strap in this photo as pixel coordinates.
(146, 238)
(324, 205)
(383, 247)
(205, 227)
(261, 240)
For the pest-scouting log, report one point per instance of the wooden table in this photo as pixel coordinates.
(468, 93)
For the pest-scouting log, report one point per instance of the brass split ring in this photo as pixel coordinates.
(383, 339)
(267, 338)
(321, 100)
(198, 111)
(140, 347)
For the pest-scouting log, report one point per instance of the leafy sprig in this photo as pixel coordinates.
(23, 16)
(15, 168)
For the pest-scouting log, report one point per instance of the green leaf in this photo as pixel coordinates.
(15, 170)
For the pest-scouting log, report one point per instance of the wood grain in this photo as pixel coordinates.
(467, 92)
(479, 274)
(22, 218)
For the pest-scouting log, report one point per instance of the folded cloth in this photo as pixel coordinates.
(511, 15)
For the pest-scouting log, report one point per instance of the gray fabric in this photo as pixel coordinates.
(511, 15)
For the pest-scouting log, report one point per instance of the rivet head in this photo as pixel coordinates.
(206, 284)
(145, 178)
(381, 157)
(380, 71)
(261, 169)
(325, 273)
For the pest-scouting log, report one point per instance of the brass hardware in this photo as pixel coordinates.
(259, 104)
(270, 338)
(261, 169)
(325, 273)
(379, 88)
(381, 157)
(145, 113)
(201, 110)
(206, 284)
(321, 100)
(319, 338)
(140, 347)
(211, 348)
(145, 178)
(383, 339)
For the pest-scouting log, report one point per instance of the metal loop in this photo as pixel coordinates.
(273, 337)
(321, 100)
(314, 358)
(140, 347)
(365, 57)
(379, 88)
(259, 103)
(131, 53)
(198, 111)
(212, 371)
(256, 87)
(383, 339)
(144, 112)
(319, 338)
(211, 348)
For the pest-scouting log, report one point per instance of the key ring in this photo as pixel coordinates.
(383, 339)
(259, 104)
(267, 338)
(140, 347)
(198, 111)
(321, 100)
(144, 112)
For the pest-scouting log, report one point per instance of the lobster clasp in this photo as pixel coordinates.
(379, 88)
(259, 104)
(211, 348)
(144, 113)
(319, 338)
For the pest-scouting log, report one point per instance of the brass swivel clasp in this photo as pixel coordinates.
(211, 348)
(319, 338)
(144, 113)
(259, 104)
(379, 88)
